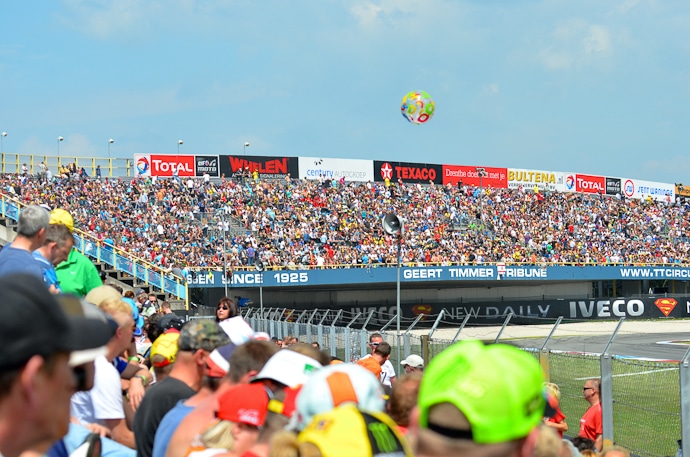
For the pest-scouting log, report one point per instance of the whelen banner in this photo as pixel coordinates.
(408, 172)
(496, 178)
(268, 167)
(163, 165)
(314, 168)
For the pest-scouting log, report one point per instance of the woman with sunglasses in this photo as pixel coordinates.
(226, 309)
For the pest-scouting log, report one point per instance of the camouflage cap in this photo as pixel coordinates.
(202, 334)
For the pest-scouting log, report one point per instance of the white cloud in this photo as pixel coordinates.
(598, 41)
(575, 43)
(366, 13)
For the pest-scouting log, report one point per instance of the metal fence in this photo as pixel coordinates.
(645, 402)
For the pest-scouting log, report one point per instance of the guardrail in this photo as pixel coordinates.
(119, 260)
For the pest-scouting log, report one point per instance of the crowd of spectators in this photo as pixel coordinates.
(297, 223)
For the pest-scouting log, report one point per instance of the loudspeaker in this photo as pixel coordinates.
(392, 224)
(259, 265)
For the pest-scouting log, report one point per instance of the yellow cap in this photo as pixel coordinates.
(60, 216)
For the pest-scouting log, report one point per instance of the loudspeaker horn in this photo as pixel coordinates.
(259, 266)
(392, 224)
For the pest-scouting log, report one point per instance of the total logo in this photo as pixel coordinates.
(386, 171)
(629, 188)
(143, 165)
(570, 182)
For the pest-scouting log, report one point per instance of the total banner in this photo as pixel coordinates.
(268, 167)
(408, 172)
(314, 168)
(530, 312)
(495, 178)
(160, 165)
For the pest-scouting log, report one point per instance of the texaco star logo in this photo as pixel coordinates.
(386, 171)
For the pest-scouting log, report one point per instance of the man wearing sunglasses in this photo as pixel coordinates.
(591, 423)
(387, 370)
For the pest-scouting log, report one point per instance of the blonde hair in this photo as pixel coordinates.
(117, 309)
(553, 389)
(219, 435)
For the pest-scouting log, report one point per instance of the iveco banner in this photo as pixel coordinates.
(534, 312)
(268, 167)
(408, 172)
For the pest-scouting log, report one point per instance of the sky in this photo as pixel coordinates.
(589, 86)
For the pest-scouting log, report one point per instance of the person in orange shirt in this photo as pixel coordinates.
(380, 354)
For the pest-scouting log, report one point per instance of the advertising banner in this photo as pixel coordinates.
(636, 188)
(448, 275)
(586, 184)
(163, 165)
(682, 191)
(408, 172)
(206, 164)
(351, 169)
(268, 167)
(544, 180)
(613, 186)
(496, 178)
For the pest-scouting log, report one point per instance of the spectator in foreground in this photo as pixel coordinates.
(403, 399)
(36, 379)
(197, 340)
(479, 400)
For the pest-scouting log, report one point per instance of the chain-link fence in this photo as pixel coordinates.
(645, 401)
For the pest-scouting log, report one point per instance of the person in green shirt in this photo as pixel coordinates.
(78, 275)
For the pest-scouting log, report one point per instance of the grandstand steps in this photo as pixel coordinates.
(128, 282)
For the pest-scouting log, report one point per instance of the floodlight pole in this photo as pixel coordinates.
(397, 299)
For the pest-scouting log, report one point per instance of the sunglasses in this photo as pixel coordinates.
(223, 307)
(585, 389)
(374, 344)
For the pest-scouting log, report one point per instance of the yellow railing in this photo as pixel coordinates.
(119, 259)
(110, 167)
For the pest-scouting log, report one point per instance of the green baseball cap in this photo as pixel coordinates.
(497, 387)
(202, 334)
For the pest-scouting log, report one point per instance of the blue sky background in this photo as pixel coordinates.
(599, 87)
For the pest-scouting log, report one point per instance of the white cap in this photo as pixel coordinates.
(414, 361)
(288, 367)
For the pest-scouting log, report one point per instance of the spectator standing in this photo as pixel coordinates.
(197, 340)
(103, 404)
(557, 419)
(387, 370)
(479, 400)
(17, 257)
(36, 380)
(55, 250)
(379, 356)
(413, 363)
(591, 425)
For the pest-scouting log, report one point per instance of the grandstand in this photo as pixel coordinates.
(475, 235)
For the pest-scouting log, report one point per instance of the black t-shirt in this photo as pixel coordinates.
(159, 399)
